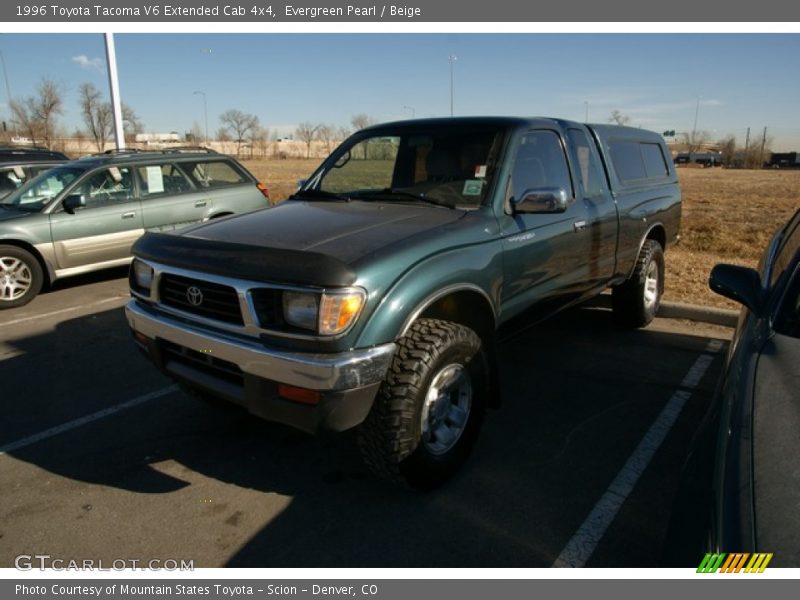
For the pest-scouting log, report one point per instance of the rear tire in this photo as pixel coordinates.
(21, 276)
(636, 301)
(428, 411)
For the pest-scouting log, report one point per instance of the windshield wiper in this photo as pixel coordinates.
(319, 194)
(416, 197)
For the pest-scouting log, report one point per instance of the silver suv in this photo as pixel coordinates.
(85, 215)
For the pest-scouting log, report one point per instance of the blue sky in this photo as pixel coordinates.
(739, 80)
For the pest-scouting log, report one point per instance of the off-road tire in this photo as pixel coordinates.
(635, 302)
(391, 437)
(21, 276)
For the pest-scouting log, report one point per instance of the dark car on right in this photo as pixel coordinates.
(741, 485)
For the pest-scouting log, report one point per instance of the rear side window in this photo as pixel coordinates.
(637, 161)
(162, 179)
(213, 174)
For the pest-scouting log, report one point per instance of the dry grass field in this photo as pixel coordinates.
(728, 216)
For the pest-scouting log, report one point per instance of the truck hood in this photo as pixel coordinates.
(308, 243)
(346, 231)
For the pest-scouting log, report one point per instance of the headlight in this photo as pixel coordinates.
(330, 313)
(300, 309)
(142, 275)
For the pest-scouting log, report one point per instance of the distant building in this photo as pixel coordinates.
(158, 138)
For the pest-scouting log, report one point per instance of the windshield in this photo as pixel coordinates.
(442, 164)
(39, 191)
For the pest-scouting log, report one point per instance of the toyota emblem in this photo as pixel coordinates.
(194, 295)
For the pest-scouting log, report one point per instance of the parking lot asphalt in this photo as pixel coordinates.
(102, 458)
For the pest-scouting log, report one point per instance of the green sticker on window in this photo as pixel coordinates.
(472, 187)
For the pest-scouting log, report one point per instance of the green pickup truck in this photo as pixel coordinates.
(371, 298)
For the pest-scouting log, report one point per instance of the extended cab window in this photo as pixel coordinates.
(540, 163)
(162, 179)
(218, 173)
(637, 161)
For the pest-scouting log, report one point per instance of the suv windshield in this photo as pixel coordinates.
(39, 191)
(440, 164)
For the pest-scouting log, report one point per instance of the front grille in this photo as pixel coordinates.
(268, 306)
(206, 363)
(219, 302)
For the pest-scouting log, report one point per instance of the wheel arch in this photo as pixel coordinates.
(47, 271)
(470, 306)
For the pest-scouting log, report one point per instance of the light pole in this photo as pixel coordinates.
(694, 128)
(8, 90)
(451, 59)
(412, 109)
(205, 111)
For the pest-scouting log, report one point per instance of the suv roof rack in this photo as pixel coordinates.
(171, 150)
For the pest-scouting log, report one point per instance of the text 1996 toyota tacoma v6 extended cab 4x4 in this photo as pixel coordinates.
(371, 298)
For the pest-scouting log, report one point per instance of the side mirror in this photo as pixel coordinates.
(542, 200)
(73, 203)
(740, 284)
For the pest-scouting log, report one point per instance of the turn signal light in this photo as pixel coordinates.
(301, 395)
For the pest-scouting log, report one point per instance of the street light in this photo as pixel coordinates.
(451, 59)
(205, 111)
(412, 109)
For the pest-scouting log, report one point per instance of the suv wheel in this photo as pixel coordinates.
(428, 411)
(20, 276)
(636, 301)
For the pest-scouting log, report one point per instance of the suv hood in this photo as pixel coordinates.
(346, 231)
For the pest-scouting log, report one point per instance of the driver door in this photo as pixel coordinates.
(105, 227)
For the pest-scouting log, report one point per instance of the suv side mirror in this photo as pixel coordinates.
(542, 200)
(73, 202)
(740, 284)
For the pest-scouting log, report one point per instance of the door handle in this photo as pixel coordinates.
(128, 215)
(200, 203)
(579, 225)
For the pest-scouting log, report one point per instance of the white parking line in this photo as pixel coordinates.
(48, 433)
(121, 300)
(582, 545)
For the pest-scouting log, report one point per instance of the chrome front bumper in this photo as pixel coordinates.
(323, 372)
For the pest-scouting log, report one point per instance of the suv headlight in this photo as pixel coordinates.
(328, 313)
(141, 276)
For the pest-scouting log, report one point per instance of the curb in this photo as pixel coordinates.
(703, 314)
(680, 310)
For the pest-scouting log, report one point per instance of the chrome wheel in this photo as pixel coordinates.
(651, 284)
(446, 409)
(16, 278)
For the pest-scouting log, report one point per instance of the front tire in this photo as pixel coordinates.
(21, 277)
(429, 409)
(636, 302)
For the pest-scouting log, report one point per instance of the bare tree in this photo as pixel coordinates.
(695, 140)
(327, 135)
(260, 140)
(37, 115)
(360, 122)
(618, 118)
(131, 123)
(96, 115)
(727, 150)
(239, 124)
(307, 132)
